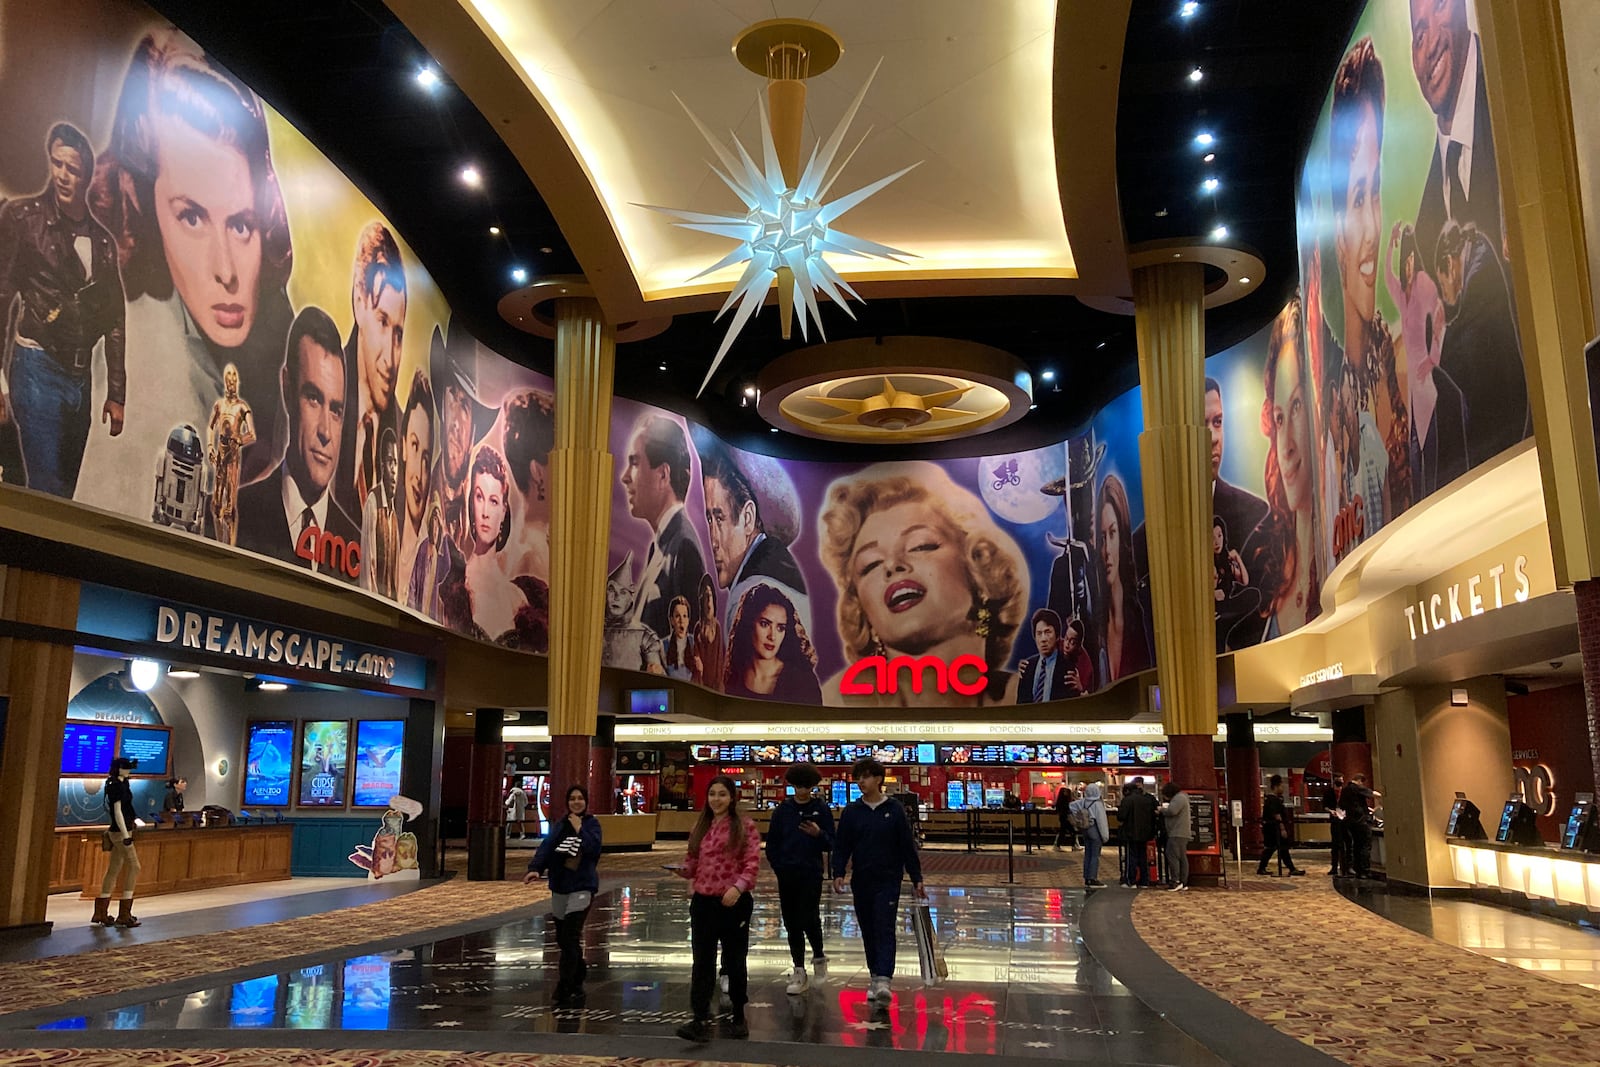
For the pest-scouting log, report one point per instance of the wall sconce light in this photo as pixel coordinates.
(144, 673)
(1458, 698)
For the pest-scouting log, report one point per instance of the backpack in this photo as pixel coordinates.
(1078, 817)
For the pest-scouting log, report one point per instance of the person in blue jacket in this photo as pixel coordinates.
(570, 854)
(875, 842)
(800, 834)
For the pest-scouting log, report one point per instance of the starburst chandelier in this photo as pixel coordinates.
(786, 227)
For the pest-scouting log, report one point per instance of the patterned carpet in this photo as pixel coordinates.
(1332, 974)
(267, 1057)
(59, 979)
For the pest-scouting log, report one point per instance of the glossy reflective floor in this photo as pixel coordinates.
(1021, 984)
(1554, 948)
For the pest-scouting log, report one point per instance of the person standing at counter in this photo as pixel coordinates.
(876, 844)
(1064, 801)
(173, 801)
(800, 834)
(1175, 810)
(1356, 800)
(570, 854)
(723, 864)
(120, 813)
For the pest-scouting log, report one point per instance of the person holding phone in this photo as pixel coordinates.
(723, 863)
(876, 844)
(570, 852)
(800, 834)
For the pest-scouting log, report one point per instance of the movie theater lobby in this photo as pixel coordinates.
(1178, 412)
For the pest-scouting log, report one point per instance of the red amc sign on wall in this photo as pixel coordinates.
(966, 675)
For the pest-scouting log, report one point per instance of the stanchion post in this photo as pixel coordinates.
(1011, 856)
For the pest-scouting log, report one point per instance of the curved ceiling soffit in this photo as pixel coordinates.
(1086, 66)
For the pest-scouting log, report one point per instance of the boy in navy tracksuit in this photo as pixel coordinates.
(875, 841)
(801, 832)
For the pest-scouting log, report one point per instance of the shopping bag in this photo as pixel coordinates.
(929, 958)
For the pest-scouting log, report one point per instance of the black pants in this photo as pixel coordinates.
(1339, 834)
(1065, 835)
(1137, 871)
(1275, 843)
(1360, 848)
(711, 925)
(800, 900)
(569, 937)
(878, 915)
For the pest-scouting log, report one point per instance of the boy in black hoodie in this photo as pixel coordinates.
(800, 834)
(875, 834)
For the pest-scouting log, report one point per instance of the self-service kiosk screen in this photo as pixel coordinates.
(1571, 833)
(1504, 832)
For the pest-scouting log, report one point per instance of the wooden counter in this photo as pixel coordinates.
(177, 860)
(627, 833)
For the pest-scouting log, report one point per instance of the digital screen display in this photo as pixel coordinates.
(324, 757)
(840, 794)
(310, 999)
(927, 754)
(766, 753)
(151, 747)
(1019, 753)
(253, 1004)
(734, 753)
(825, 754)
(955, 795)
(649, 701)
(993, 797)
(87, 749)
(1503, 834)
(855, 791)
(379, 745)
(1575, 823)
(974, 794)
(1455, 816)
(703, 753)
(366, 994)
(269, 764)
(1111, 754)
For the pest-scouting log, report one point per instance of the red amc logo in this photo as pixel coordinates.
(329, 551)
(884, 675)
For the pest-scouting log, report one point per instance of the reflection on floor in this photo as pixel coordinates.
(68, 909)
(1020, 984)
(1551, 947)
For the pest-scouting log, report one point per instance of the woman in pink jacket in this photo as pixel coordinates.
(723, 862)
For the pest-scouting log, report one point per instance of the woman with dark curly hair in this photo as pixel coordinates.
(922, 570)
(187, 188)
(1126, 647)
(769, 654)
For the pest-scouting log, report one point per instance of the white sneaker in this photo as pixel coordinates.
(799, 982)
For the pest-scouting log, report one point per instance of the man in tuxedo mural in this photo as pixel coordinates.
(655, 475)
(277, 513)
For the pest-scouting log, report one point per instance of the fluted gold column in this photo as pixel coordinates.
(581, 471)
(1530, 104)
(1175, 453)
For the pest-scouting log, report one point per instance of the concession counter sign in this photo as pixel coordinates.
(184, 628)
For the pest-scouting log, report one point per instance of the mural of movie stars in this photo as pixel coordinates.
(206, 325)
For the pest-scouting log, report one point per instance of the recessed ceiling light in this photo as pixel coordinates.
(1204, 140)
(1210, 185)
(1189, 9)
(749, 390)
(661, 366)
(273, 687)
(470, 177)
(1033, 407)
(427, 77)
(1102, 344)
(494, 231)
(1196, 74)
(1219, 233)
(519, 275)
(144, 673)
(182, 672)
(1161, 214)
(1048, 376)
(772, 429)
(1244, 281)
(1209, 157)
(1177, 255)
(546, 249)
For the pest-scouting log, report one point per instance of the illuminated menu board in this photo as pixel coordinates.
(1079, 754)
(979, 755)
(87, 749)
(150, 747)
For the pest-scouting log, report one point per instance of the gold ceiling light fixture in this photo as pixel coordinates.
(894, 390)
(786, 228)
